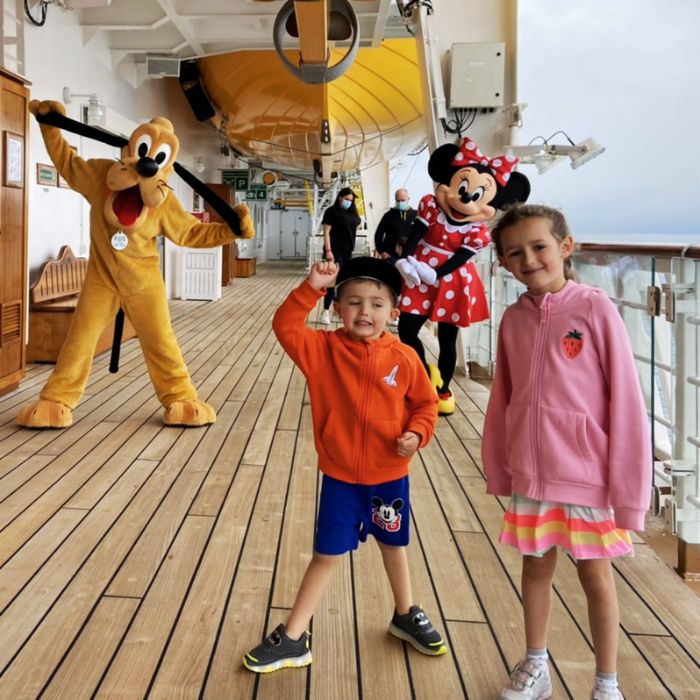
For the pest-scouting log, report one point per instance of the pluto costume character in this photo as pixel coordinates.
(130, 204)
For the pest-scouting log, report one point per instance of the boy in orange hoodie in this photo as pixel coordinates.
(372, 407)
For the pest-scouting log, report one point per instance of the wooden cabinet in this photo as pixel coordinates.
(14, 96)
(228, 262)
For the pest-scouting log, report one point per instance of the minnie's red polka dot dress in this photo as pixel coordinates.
(459, 297)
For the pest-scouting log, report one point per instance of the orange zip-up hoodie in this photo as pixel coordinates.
(363, 395)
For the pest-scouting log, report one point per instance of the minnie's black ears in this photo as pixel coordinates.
(516, 190)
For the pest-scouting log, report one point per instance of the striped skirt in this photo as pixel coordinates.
(534, 527)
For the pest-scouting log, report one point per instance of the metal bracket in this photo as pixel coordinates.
(679, 467)
(653, 300)
(670, 517)
(679, 298)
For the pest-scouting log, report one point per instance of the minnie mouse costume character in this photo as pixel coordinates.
(441, 283)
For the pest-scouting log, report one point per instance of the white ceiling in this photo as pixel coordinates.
(135, 29)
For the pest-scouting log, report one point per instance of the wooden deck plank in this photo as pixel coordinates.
(382, 656)
(32, 555)
(446, 485)
(501, 605)
(22, 473)
(680, 673)
(184, 666)
(130, 672)
(247, 612)
(293, 402)
(261, 438)
(35, 631)
(138, 569)
(443, 556)
(449, 441)
(478, 656)
(81, 670)
(666, 595)
(335, 673)
(226, 617)
(297, 541)
(20, 526)
(62, 475)
(427, 672)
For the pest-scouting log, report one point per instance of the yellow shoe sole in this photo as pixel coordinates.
(297, 662)
(446, 407)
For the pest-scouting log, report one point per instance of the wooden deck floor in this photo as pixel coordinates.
(142, 561)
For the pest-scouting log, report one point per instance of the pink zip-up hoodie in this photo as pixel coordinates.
(566, 419)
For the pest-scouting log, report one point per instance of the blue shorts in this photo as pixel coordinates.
(347, 513)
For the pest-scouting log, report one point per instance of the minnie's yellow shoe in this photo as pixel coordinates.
(435, 378)
(446, 404)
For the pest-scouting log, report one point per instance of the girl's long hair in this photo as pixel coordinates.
(520, 212)
(352, 208)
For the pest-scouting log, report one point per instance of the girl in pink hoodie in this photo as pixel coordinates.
(566, 437)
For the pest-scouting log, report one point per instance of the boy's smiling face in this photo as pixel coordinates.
(365, 307)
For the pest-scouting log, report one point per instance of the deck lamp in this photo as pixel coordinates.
(95, 106)
(546, 155)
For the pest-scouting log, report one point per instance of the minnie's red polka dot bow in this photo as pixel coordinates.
(500, 166)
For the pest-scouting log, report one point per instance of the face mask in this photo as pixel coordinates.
(402, 205)
(345, 203)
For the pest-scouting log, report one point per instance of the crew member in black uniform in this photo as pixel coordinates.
(394, 225)
(340, 223)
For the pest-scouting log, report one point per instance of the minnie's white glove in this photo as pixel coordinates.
(425, 272)
(408, 272)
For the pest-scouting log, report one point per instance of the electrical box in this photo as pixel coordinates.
(477, 75)
(162, 67)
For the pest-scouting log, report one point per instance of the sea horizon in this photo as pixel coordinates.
(643, 238)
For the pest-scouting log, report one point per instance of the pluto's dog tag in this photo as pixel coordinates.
(119, 240)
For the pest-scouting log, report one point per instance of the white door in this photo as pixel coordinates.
(294, 234)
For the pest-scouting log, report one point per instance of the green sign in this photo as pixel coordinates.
(238, 179)
(256, 192)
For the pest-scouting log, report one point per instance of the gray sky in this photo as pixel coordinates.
(627, 73)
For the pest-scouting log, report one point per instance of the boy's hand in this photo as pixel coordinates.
(407, 444)
(323, 274)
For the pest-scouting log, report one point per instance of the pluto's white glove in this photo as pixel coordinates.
(425, 272)
(408, 272)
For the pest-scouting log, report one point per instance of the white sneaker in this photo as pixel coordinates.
(529, 680)
(325, 317)
(602, 692)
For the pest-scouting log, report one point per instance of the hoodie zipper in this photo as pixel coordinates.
(537, 389)
(367, 366)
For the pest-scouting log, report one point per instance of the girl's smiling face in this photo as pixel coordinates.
(534, 255)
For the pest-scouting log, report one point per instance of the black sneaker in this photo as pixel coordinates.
(278, 651)
(415, 628)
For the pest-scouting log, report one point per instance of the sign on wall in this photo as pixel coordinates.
(256, 192)
(238, 179)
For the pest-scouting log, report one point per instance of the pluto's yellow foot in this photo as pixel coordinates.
(45, 414)
(190, 412)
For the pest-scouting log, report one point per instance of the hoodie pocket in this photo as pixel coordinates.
(381, 444)
(571, 447)
(339, 437)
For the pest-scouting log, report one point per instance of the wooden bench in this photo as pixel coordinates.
(53, 298)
